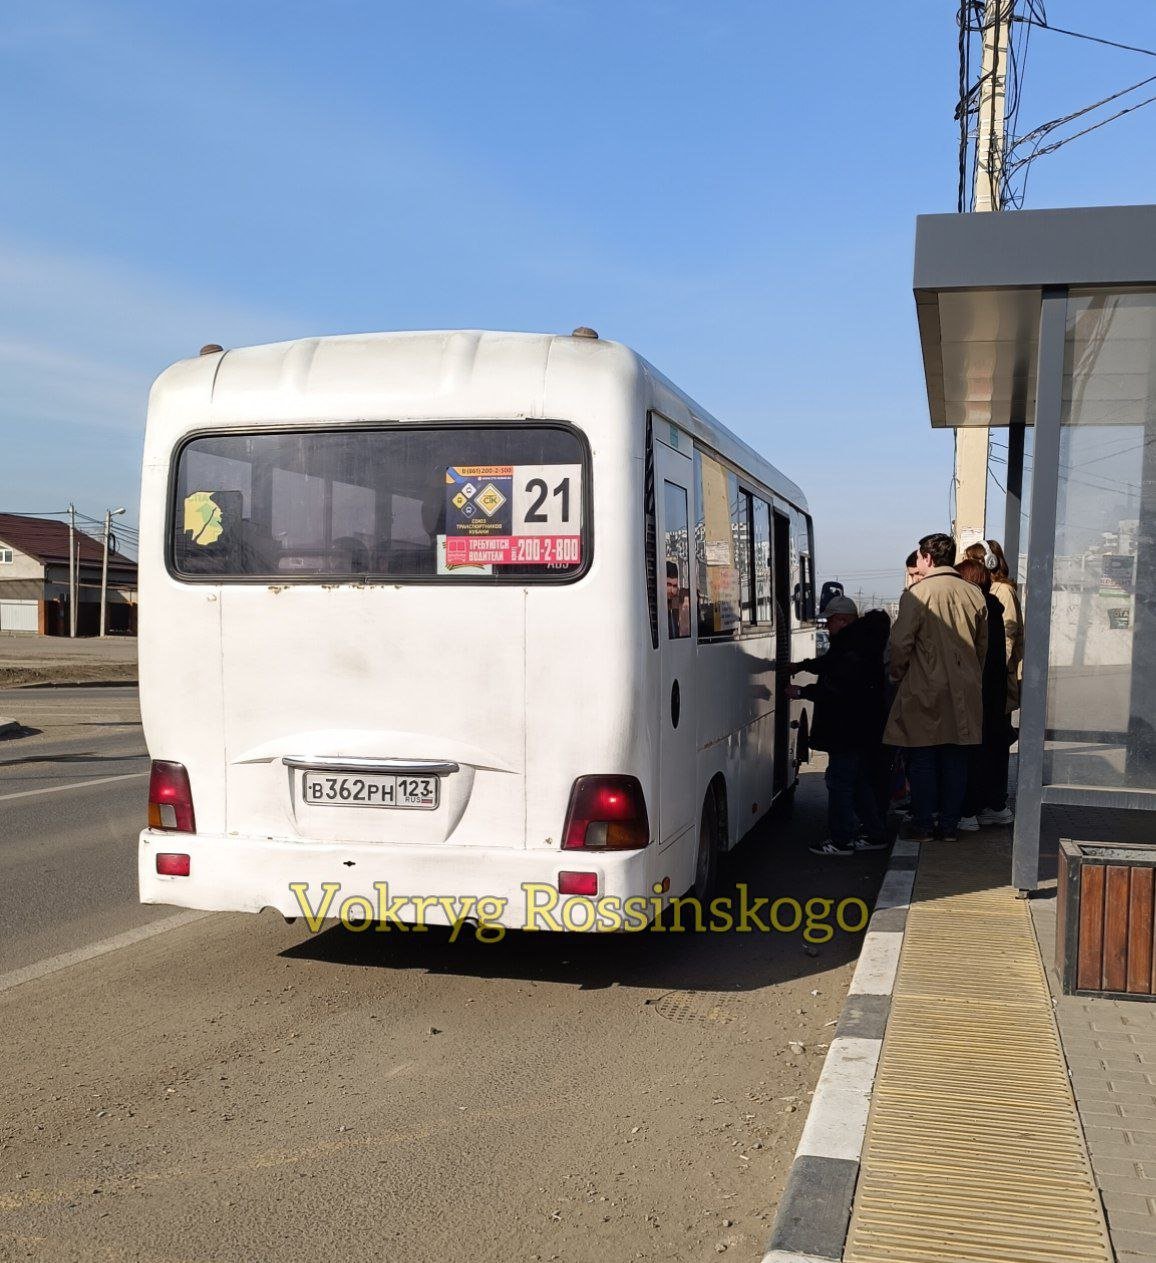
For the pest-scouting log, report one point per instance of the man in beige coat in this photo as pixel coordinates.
(938, 645)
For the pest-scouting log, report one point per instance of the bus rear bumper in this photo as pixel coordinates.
(238, 874)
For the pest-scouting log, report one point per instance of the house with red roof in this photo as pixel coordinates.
(34, 587)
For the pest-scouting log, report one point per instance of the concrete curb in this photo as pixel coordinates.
(815, 1212)
(9, 727)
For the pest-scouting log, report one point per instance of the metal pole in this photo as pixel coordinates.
(971, 442)
(109, 514)
(1038, 593)
(72, 569)
(104, 576)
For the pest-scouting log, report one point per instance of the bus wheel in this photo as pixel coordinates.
(707, 859)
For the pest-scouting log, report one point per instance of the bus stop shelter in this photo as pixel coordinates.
(1045, 321)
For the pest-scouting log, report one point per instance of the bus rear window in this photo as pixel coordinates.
(450, 502)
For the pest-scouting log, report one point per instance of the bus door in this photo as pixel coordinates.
(676, 702)
(782, 582)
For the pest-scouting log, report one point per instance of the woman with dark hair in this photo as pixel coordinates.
(988, 762)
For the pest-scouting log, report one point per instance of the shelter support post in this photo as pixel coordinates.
(1038, 594)
(1140, 753)
(1013, 514)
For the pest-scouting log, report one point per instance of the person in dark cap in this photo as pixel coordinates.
(850, 709)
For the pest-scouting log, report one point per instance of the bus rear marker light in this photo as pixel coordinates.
(575, 883)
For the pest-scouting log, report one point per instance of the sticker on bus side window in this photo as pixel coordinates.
(525, 515)
(202, 518)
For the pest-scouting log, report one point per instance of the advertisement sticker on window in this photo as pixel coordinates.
(526, 515)
(202, 518)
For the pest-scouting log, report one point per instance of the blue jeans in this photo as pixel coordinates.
(851, 794)
(938, 779)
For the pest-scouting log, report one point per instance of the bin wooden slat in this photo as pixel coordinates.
(1089, 961)
(1140, 930)
(1115, 966)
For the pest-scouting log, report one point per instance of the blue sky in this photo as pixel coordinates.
(728, 187)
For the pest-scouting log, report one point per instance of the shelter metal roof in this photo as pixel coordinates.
(978, 284)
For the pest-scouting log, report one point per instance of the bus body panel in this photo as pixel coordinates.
(373, 670)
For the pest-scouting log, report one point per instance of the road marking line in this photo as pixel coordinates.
(56, 789)
(54, 963)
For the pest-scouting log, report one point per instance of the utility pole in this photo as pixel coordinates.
(72, 569)
(971, 442)
(108, 516)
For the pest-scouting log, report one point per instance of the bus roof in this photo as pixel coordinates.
(415, 373)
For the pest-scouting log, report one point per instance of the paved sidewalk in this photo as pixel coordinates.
(1110, 1046)
(973, 1149)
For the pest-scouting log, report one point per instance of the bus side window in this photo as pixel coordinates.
(720, 565)
(650, 534)
(764, 604)
(677, 568)
(802, 569)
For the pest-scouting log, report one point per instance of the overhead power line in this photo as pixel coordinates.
(1039, 141)
(1038, 134)
(1093, 39)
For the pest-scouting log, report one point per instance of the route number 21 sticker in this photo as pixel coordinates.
(525, 515)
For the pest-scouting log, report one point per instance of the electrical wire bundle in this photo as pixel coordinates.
(122, 538)
(1022, 149)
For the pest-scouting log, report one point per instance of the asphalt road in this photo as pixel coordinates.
(72, 799)
(239, 1089)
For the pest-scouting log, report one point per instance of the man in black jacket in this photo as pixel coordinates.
(850, 711)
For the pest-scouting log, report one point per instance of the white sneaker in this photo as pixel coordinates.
(987, 819)
(969, 824)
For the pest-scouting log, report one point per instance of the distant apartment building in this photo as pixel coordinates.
(34, 585)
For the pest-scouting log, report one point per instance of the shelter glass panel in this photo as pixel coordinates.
(1102, 662)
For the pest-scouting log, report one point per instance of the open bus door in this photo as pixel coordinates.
(782, 587)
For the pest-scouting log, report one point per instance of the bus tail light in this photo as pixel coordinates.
(606, 813)
(170, 799)
(173, 864)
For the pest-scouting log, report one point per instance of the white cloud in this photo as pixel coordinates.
(80, 340)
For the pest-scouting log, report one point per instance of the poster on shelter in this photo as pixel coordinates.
(1117, 573)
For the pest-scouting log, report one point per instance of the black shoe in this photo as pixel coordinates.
(871, 844)
(830, 848)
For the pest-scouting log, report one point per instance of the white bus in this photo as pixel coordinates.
(458, 614)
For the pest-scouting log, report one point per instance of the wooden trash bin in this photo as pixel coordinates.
(1105, 932)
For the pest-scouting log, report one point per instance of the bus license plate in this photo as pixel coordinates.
(326, 789)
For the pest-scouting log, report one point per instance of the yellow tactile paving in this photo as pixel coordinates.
(974, 1152)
